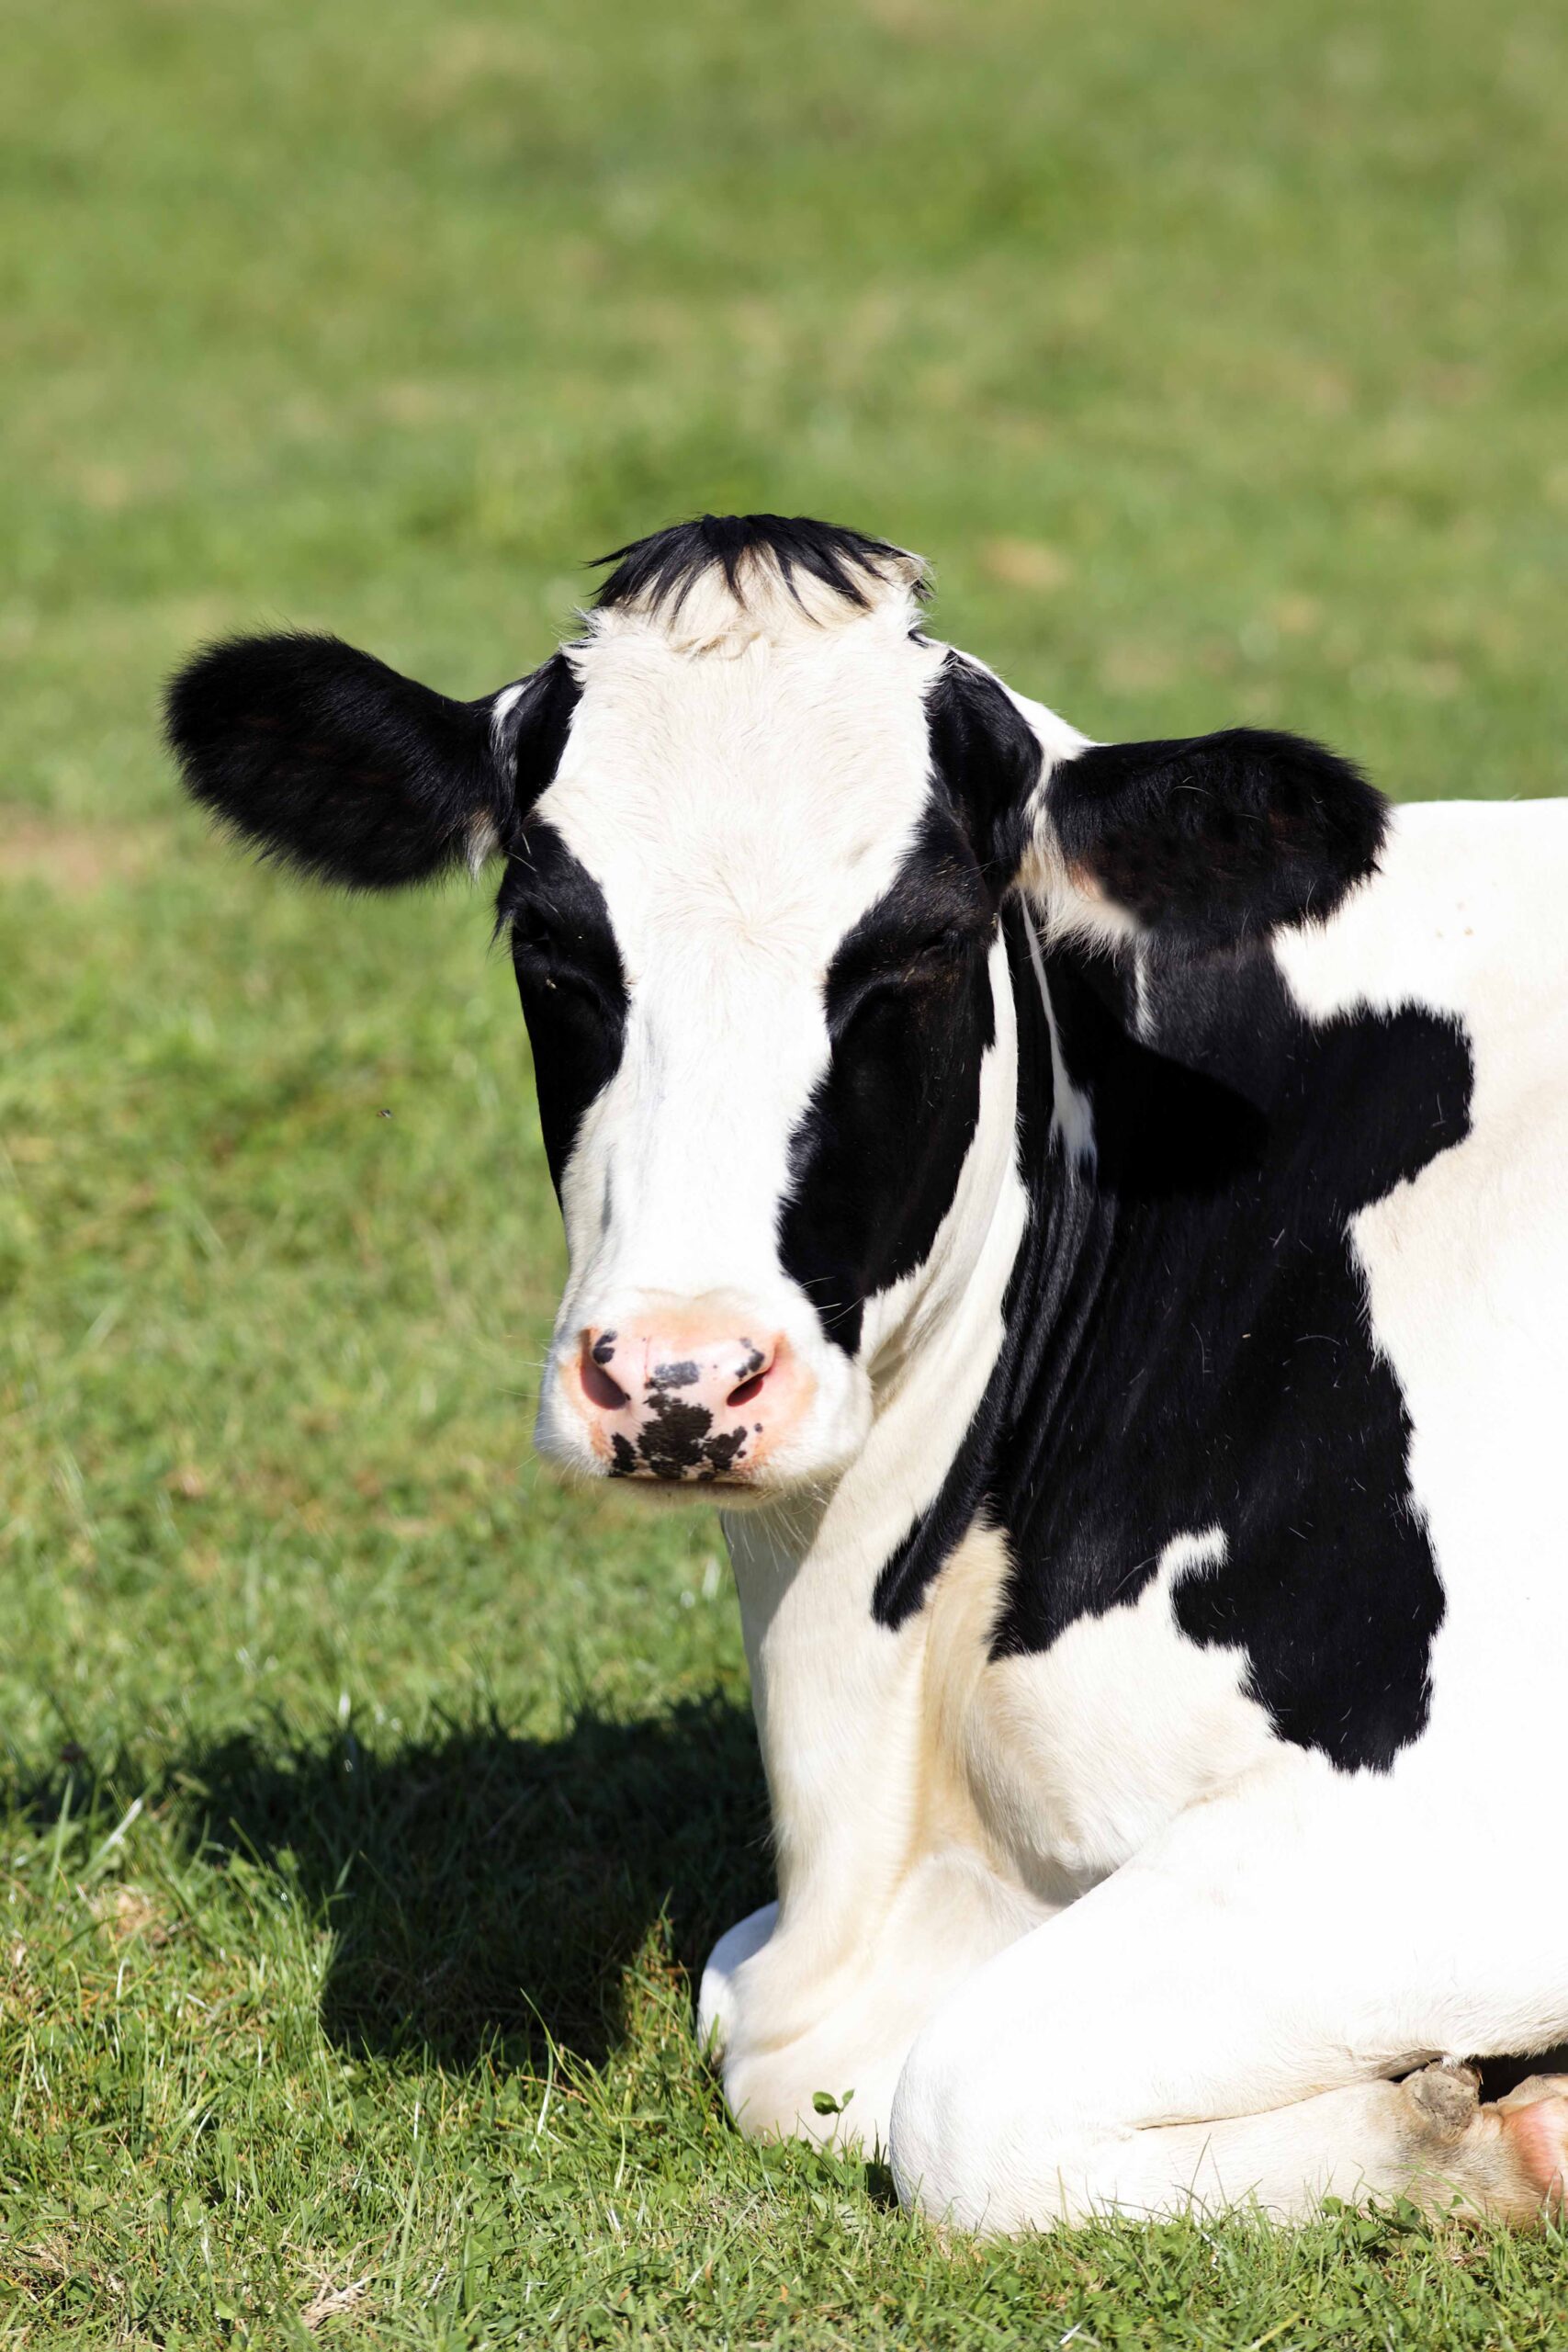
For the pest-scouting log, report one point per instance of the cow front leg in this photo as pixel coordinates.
(1219, 2025)
(717, 2000)
(811, 2031)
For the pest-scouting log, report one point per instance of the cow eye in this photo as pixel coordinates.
(917, 958)
(884, 976)
(537, 933)
(555, 958)
(941, 947)
(533, 935)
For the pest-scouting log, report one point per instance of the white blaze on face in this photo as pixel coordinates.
(742, 783)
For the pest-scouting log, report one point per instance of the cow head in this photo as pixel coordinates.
(758, 829)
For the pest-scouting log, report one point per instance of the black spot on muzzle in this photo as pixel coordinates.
(678, 1440)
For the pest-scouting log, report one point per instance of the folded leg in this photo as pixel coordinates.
(1219, 2024)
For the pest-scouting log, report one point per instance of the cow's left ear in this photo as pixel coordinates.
(1204, 841)
(324, 758)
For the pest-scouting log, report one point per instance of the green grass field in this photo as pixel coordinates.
(365, 1803)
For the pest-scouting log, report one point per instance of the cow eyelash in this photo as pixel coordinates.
(951, 941)
(921, 955)
(535, 936)
(882, 979)
(558, 962)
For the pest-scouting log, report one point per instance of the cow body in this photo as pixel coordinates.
(1306, 1686)
(1095, 1218)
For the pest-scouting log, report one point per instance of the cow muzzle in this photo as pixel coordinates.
(690, 1395)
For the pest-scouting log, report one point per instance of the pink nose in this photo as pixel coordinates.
(684, 1401)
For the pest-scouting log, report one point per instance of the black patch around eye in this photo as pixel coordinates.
(875, 1160)
(570, 979)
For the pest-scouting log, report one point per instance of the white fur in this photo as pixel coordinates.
(1101, 1741)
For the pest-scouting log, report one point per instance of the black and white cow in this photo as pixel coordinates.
(1096, 1218)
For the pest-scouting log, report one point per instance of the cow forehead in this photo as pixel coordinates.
(763, 798)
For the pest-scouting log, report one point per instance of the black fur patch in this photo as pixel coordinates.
(876, 1158)
(571, 984)
(1219, 838)
(324, 758)
(1035, 1298)
(987, 760)
(532, 736)
(1188, 1347)
(662, 570)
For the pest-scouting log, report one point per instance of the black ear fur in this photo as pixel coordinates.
(988, 756)
(328, 759)
(1218, 837)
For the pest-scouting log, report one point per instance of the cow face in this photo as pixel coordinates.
(753, 937)
(757, 829)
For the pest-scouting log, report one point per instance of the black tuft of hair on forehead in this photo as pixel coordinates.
(661, 570)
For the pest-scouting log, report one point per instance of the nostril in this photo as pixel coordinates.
(754, 1368)
(597, 1384)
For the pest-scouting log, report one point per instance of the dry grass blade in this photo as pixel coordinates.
(331, 2303)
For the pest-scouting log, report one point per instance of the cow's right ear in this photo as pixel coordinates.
(1204, 841)
(323, 758)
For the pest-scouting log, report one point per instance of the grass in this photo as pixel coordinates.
(364, 1802)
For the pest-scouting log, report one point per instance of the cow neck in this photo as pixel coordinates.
(838, 1680)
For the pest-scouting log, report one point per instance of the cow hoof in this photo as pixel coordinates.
(1508, 2161)
(1447, 2098)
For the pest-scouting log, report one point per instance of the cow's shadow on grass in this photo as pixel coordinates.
(488, 1892)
